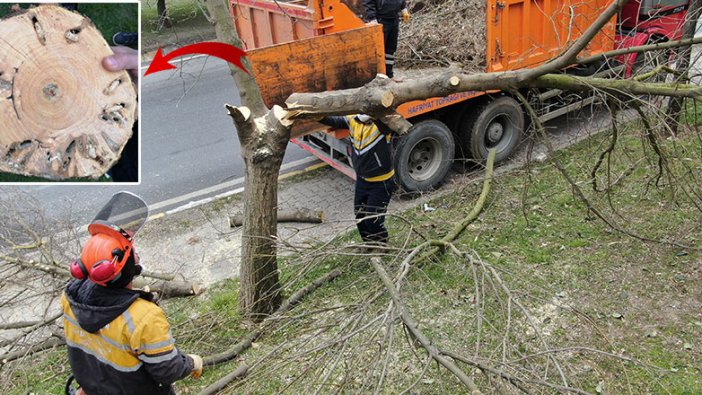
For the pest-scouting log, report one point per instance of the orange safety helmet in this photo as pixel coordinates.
(104, 254)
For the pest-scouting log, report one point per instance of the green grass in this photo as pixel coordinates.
(584, 284)
(189, 25)
(693, 113)
(109, 18)
(112, 18)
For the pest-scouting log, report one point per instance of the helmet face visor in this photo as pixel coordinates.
(126, 211)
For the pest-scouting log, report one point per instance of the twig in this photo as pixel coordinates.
(45, 345)
(224, 381)
(412, 327)
(512, 379)
(34, 327)
(284, 307)
(578, 192)
(477, 209)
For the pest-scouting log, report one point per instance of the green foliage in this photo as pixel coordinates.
(111, 18)
(188, 24)
(693, 113)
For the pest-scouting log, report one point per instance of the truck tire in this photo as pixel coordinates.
(498, 123)
(423, 156)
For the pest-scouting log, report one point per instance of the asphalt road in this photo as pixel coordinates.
(190, 150)
(189, 147)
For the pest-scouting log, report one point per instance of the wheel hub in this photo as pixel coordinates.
(495, 132)
(424, 159)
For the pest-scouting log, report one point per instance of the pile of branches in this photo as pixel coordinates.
(442, 32)
(436, 317)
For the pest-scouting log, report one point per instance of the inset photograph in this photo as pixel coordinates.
(68, 92)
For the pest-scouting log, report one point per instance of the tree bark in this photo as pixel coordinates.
(263, 135)
(62, 114)
(246, 83)
(263, 143)
(163, 19)
(383, 95)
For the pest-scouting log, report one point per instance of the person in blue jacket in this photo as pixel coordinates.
(387, 13)
(372, 161)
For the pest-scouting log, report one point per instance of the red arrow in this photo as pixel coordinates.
(224, 51)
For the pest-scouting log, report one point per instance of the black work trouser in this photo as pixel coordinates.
(391, 31)
(370, 205)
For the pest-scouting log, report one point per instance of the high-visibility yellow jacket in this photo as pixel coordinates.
(372, 147)
(119, 342)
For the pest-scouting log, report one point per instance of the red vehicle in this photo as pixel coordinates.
(318, 45)
(649, 22)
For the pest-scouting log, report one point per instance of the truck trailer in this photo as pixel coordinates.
(320, 45)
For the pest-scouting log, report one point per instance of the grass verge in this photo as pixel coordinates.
(541, 281)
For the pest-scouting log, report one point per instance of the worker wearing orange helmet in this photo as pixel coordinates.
(118, 339)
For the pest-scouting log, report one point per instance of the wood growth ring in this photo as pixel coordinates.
(62, 114)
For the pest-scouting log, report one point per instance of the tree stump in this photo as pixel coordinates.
(62, 115)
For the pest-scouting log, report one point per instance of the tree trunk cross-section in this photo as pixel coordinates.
(61, 114)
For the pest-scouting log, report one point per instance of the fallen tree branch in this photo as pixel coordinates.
(284, 307)
(46, 268)
(47, 344)
(640, 49)
(169, 289)
(298, 215)
(414, 329)
(220, 384)
(157, 275)
(616, 87)
(29, 329)
(32, 324)
(478, 208)
(516, 381)
(474, 213)
(576, 188)
(165, 287)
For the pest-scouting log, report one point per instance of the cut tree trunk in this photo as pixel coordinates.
(263, 141)
(62, 114)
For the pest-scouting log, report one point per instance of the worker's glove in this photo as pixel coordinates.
(197, 366)
(405, 15)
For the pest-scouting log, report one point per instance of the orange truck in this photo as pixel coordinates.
(320, 45)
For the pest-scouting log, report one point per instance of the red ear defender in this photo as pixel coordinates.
(78, 270)
(103, 271)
